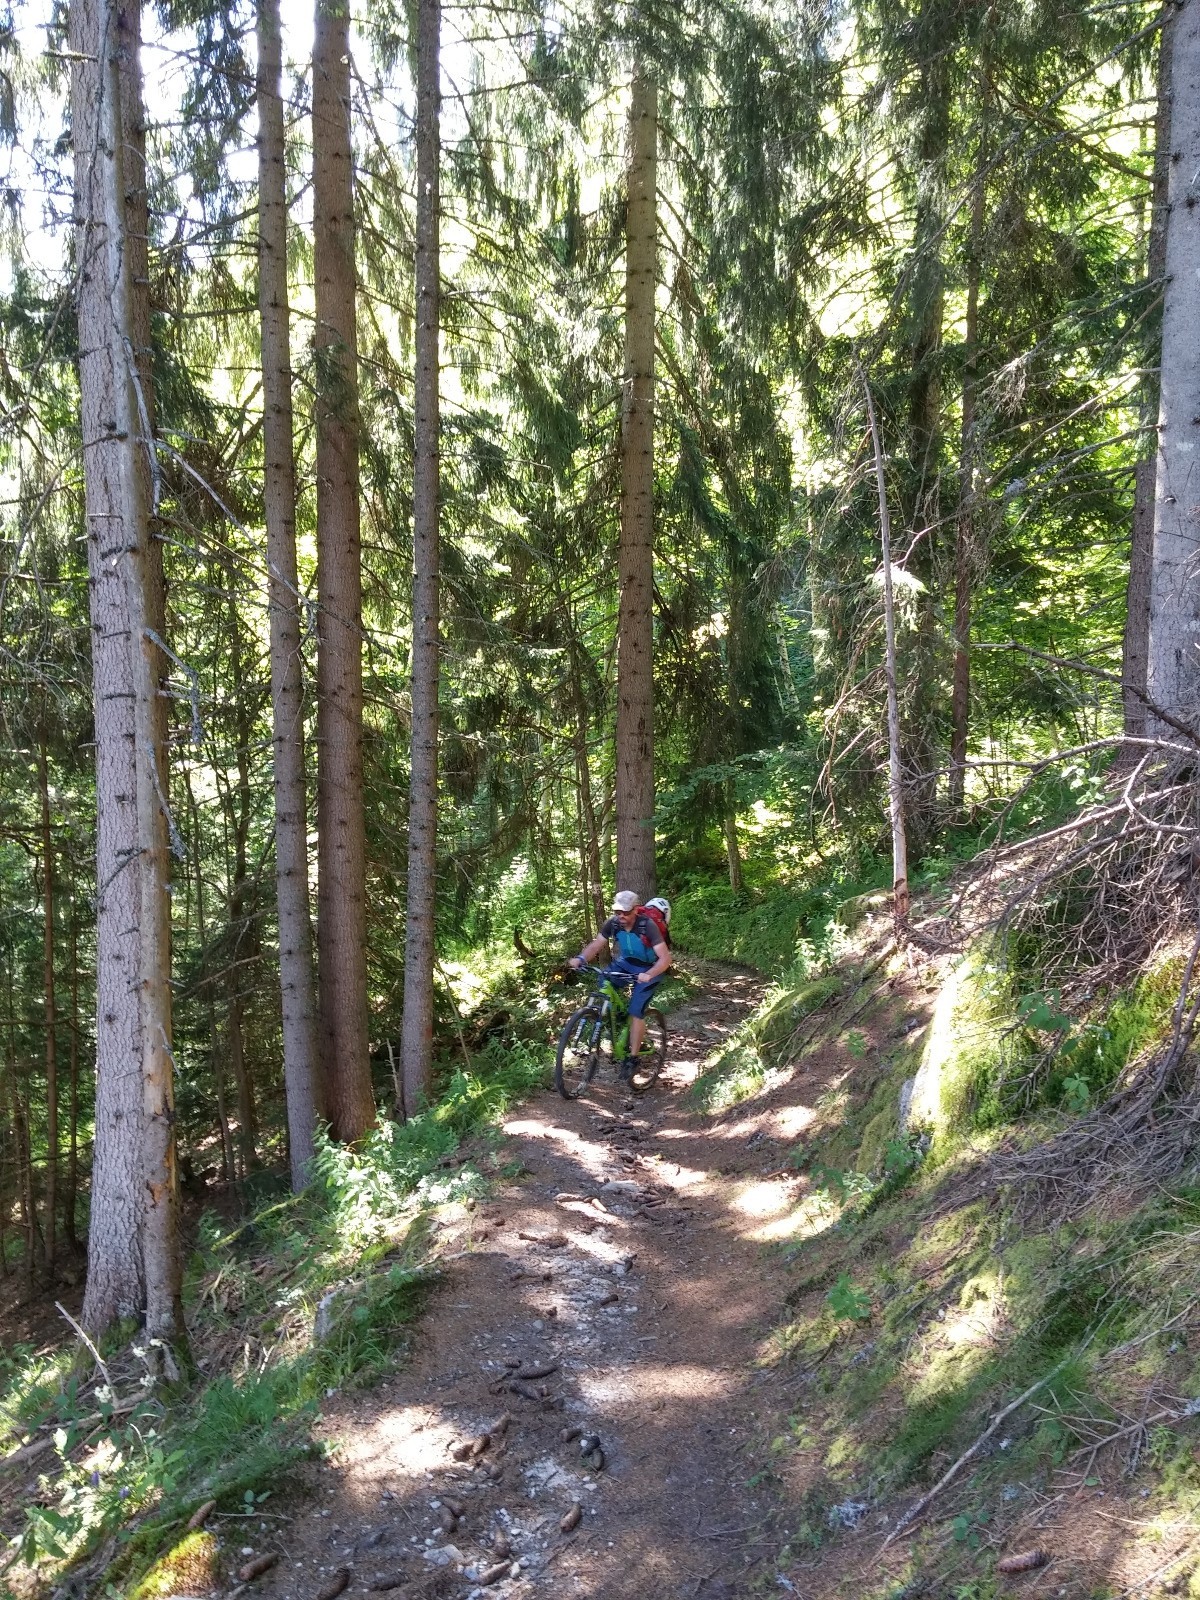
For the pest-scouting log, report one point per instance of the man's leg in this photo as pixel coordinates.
(639, 999)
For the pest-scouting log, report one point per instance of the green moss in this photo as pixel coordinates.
(737, 1074)
(789, 1006)
(190, 1567)
(879, 1132)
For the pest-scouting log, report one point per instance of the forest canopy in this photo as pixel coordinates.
(446, 453)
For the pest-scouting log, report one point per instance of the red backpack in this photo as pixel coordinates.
(659, 921)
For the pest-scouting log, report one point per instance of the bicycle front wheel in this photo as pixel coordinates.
(578, 1053)
(648, 1065)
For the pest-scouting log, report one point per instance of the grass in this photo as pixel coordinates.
(309, 1294)
(912, 1317)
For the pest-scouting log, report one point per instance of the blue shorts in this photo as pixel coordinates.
(622, 973)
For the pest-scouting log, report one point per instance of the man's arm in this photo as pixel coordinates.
(663, 952)
(589, 951)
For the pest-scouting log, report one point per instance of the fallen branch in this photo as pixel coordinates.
(35, 1447)
(952, 1472)
(96, 1356)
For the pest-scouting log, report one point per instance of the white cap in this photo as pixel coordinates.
(624, 900)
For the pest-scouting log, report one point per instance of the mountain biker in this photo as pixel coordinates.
(641, 957)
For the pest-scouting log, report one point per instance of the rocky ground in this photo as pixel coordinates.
(577, 1414)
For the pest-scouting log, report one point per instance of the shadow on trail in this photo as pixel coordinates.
(617, 1290)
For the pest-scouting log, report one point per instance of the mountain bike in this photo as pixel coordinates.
(600, 1028)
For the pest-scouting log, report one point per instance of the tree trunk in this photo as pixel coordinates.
(8, 1148)
(1174, 662)
(593, 881)
(71, 1191)
(592, 876)
(341, 838)
(50, 1010)
(895, 773)
(247, 1119)
(27, 1213)
(1134, 655)
(228, 1165)
(26, 1208)
(133, 1253)
(926, 311)
(965, 531)
(283, 591)
(243, 944)
(416, 1036)
(1137, 596)
(635, 561)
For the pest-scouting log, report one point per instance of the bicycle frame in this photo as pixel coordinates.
(613, 1012)
(581, 1040)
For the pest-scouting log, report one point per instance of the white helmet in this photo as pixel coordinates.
(662, 905)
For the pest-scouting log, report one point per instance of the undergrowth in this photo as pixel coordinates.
(306, 1295)
(923, 1302)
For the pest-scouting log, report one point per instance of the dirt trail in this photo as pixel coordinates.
(625, 1272)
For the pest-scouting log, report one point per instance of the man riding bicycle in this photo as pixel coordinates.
(642, 956)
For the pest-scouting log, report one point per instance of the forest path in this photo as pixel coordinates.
(628, 1261)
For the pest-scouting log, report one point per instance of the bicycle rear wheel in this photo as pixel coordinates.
(648, 1066)
(578, 1053)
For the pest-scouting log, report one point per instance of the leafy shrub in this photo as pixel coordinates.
(847, 1303)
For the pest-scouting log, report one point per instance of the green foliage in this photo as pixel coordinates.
(966, 1528)
(737, 1074)
(847, 1303)
(760, 930)
(368, 1187)
(36, 1386)
(364, 1326)
(1076, 1095)
(137, 1465)
(358, 1227)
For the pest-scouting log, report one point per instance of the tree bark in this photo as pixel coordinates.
(592, 876)
(1135, 653)
(71, 1191)
(247, 1118)
(1173, 674)
(416, 1036)
(50, 1010)
(8, 1149)
(133, 1254)
(283, 600)
(924, 498)
(593, 881)
(895, 772)
(26, 1209)
(965, 531)
(228, 1164)
(243, 942)
(341, 837)
(635, 561)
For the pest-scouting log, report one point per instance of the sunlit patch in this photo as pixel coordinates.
(952, 1351)
(402, 1442)
(777, 1231)
(791, 1121)
(682, 1073)
(637, 1385)
(680, 1177)
(192, 1566)
(586, 1151)
(766, 1199)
